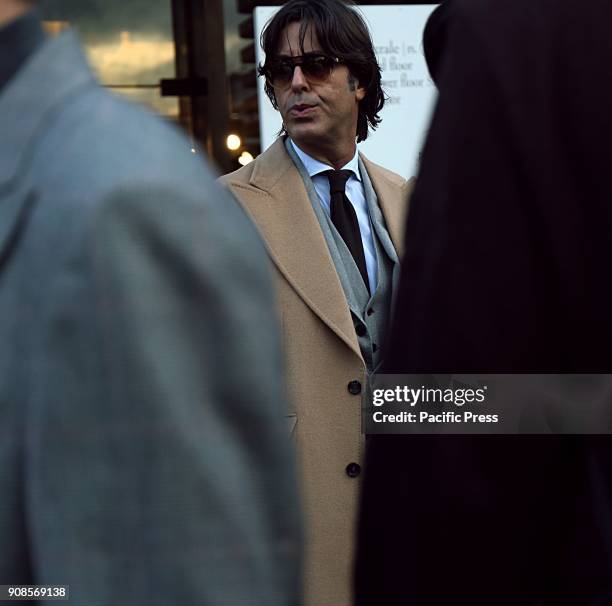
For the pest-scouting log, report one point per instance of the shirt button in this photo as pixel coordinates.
(353, 470)
(370, 311)
(360, 329)
(354, 387)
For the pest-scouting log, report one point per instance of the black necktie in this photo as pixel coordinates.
(343, 216)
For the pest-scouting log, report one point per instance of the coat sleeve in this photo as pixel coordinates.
(160, 472)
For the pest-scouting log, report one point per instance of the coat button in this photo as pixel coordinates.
(354, 387)
(353, 470)
(374, 347)
(360, 329)
(370, 311)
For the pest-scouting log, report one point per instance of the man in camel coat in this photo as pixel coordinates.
(332, 223)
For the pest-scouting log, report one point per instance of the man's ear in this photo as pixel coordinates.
(360, 91)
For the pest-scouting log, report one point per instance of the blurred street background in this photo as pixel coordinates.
(190, 61)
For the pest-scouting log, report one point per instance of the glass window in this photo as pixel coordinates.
(129, 44)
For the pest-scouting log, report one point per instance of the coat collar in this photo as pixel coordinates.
(278, 203)
(392, 203)
(274, 164)
(271, 167)
(295, 241)
(30, 98)
(314, 167)
(28, 104)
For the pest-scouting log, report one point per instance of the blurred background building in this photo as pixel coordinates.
(191, 61)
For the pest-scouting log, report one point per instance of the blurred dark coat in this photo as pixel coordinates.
(143, 449)
(508, 250)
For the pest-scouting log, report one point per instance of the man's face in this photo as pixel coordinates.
(317, 113)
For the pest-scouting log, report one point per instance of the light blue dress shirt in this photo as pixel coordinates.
(355, 193)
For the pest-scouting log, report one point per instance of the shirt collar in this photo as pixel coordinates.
(314, 167)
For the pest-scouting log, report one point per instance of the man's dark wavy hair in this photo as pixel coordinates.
(342, 33)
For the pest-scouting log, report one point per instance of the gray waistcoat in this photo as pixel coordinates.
(370, 313)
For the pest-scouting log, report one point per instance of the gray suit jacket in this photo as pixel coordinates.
(143, 454)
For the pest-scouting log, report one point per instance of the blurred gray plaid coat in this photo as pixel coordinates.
(143, 455)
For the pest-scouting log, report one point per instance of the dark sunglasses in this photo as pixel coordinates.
(314, 66)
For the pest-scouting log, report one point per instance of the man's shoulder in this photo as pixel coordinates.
(103, 135)
(241, 175)
(78, 123)
(127, 166)
(131, 128)
(376, 170)
(265, 171)
(397, 185)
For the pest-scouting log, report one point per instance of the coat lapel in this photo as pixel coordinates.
(277, 200)
(393, 200)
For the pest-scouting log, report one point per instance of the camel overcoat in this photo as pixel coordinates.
(322, 355)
